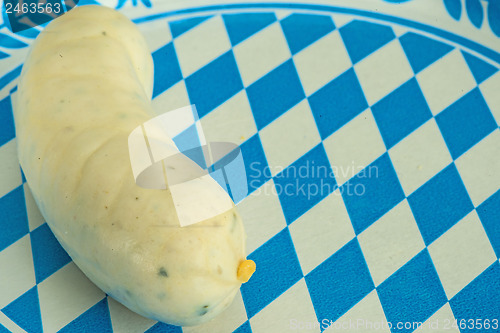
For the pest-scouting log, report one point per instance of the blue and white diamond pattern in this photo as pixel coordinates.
(294, 89)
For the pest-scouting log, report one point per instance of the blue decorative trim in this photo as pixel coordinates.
(493, 14)
(481, 49)
(121, 3)
(10, 42)
(475, 12)
(454, 8)
(7, 78)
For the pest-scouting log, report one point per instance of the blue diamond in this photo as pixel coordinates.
(401, 112)
(305, 183)
(337, 103)
(371, 193)
(25, 311)
(13, 217)
(440, 203)
(413, 293)
(340, 282)
(465, 123)
(422, 51)
(188, 142)
(241, 26)
(179, 27)
(164, 328)
(489, 214)
(275, 93)
(256, 167)
(479, 68)
(95, 319)
(7, 131)
(362, 38)
(480, 299)
(301, 30)
(23, 177)
(167, 70)
(3, 329)
(214, 84)
(48, 255)
(244, 328)
(279, 269)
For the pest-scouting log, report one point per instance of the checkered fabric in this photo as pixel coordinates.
(395, 217)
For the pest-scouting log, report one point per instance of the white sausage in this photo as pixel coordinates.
(87, 83)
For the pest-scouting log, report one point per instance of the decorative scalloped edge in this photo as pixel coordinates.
(475, 12)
